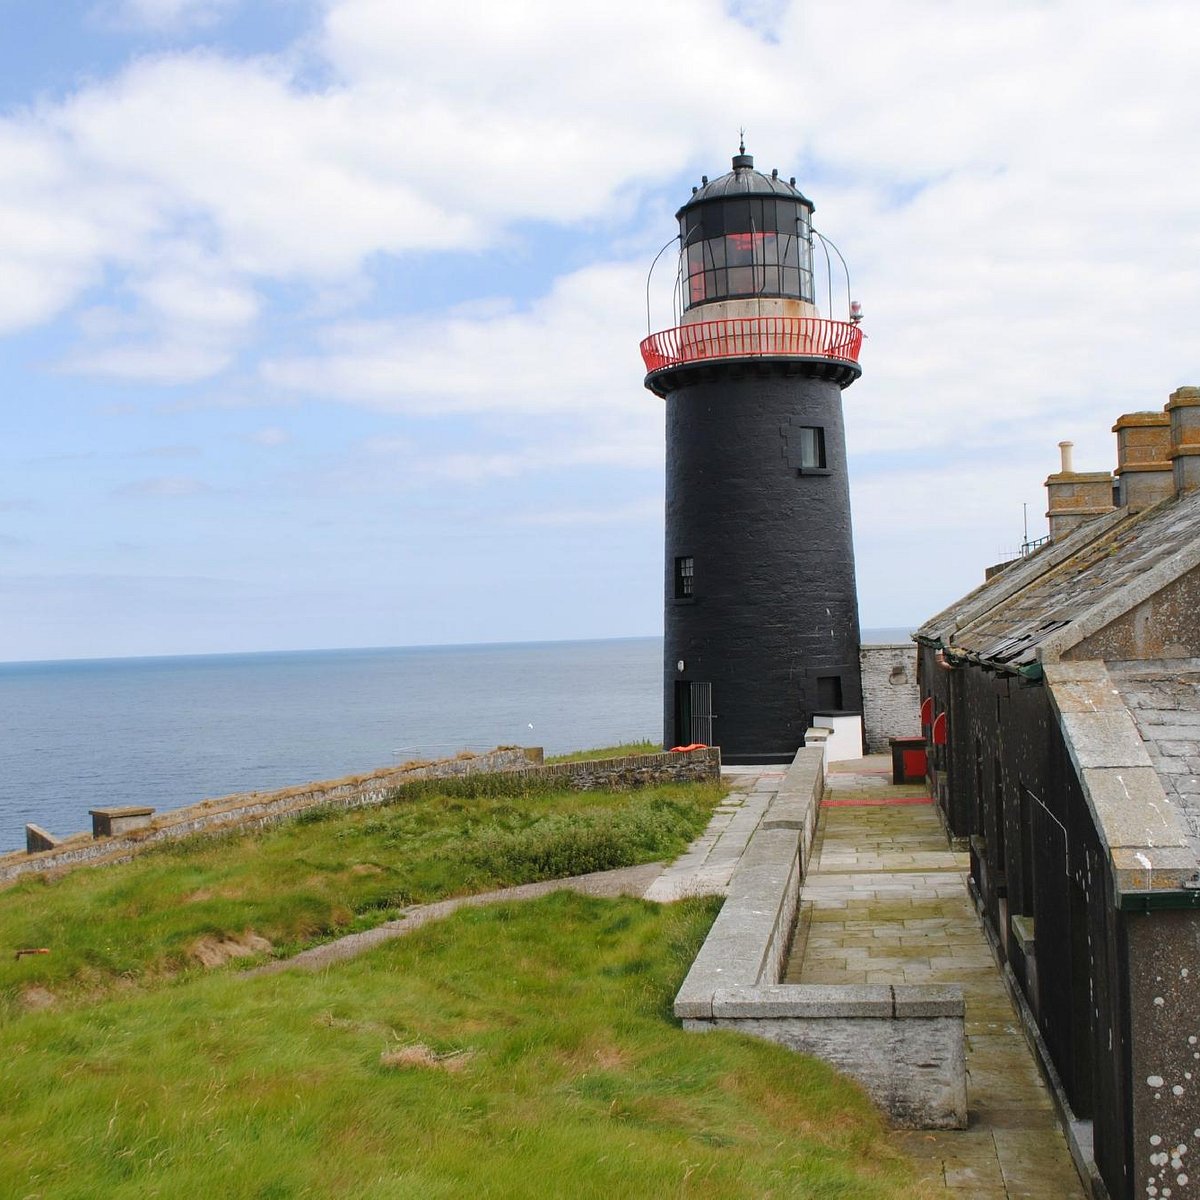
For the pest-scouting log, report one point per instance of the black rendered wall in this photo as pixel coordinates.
(1006, 778)
(775, 605)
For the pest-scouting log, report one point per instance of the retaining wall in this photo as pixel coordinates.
(904, 1044)
(253, 810)
(891, 699)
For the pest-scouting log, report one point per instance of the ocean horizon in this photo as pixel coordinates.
(171, 730)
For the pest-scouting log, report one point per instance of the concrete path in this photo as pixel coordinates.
(885, 901)
(627, 881)
(707, 865)
(703, 869)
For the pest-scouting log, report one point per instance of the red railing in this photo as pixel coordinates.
(752, 337)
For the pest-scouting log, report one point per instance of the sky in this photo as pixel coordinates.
(319, 318)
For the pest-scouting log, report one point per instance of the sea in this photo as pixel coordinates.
(171, 731)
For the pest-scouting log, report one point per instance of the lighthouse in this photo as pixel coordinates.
(761, 629)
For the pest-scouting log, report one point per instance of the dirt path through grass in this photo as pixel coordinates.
(626, 881)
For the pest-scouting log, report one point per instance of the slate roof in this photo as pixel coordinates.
(1071, 587)
(745, 180)
(1165, 706)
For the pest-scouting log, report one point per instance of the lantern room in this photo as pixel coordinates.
(745, 235)
(746, 287)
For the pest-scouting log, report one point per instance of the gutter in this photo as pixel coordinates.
(1158, 901)
(955, 656)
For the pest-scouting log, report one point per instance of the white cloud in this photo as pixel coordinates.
(437, 135)
(170, 15)
(1009, 186)
(573, 351)
(180, 319)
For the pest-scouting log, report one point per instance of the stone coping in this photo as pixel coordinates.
(748, 941)
(813, 1000)
(904, 1043)
(1142, 829)
(742, 958)
(1142, 419)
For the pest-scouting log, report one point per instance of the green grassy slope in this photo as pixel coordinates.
(510, 1051)
(323, 874)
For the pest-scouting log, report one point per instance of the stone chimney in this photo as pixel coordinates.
(1144, 472)
(1077, 496)
(1184, 412)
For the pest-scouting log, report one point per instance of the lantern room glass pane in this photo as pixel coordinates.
(741, 281)
(747, 246)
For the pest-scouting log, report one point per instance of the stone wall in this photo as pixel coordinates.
(256, 809)
(904, 1044)
(891, 702)
(633, 771)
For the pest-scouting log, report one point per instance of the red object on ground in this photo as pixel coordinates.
(685, 749)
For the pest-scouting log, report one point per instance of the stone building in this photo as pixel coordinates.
(1061, 707)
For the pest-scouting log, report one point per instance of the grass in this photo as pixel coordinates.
(509, 1051)
(326, 873)
(646, 746)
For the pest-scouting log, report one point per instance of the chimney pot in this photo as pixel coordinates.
(1076, 497)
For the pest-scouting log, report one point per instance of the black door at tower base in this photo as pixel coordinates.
(693, 713)
(695, 722)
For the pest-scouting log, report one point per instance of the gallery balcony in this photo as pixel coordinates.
(767, 344)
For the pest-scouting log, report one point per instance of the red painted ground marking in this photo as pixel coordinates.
(876, 803)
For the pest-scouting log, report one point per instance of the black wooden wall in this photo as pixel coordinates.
(1005, 781)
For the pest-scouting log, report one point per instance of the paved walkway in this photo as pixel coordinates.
(707, 865)
(885, 901)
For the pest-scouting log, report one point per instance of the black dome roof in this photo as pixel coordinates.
(744, 180)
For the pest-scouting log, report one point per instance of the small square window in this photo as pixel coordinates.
(685, 574)
(812, 447)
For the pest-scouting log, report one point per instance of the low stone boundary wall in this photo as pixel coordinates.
(252, 810)
(904, 1044)
(631, 771)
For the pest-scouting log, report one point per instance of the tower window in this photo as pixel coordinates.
(685, 575)
(812, 447)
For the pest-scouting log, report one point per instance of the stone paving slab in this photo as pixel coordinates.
(707, 866)
(885, 902)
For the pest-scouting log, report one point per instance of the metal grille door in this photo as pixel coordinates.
(702, 713)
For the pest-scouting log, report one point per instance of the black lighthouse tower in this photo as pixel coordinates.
(761, 621)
